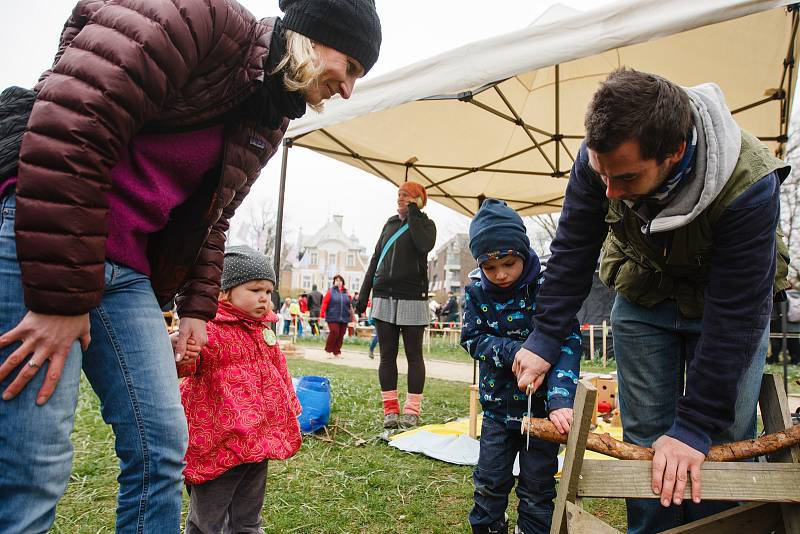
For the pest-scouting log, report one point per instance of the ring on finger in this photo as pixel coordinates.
(33, 364)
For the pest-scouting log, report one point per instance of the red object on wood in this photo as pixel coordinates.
(604, 406)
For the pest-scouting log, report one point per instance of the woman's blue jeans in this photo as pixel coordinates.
(130, 366)
(648, 343)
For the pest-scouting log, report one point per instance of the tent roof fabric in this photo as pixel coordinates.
(503, 117)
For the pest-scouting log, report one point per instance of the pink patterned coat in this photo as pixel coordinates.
(239, 400)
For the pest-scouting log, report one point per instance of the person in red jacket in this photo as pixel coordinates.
(239, 401)
(337, 311)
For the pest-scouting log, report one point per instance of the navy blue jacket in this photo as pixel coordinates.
(495, 326)
(336, 306)
(737, 299)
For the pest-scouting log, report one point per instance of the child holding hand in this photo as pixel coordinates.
(499, 306)
(239, 401)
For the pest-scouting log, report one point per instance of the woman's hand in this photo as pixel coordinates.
(43, 337)
(192, 349)
(189, 327)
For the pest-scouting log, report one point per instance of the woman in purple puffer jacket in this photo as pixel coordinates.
(143, 138)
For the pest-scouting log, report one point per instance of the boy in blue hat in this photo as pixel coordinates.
(498, 317)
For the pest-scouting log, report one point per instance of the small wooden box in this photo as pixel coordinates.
(606, 386)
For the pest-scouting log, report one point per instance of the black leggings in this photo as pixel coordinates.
(389, 341)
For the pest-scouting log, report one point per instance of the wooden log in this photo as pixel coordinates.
(727, 452)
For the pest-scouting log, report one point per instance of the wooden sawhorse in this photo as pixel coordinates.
(771, 489)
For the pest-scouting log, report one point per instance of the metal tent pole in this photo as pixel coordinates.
(287, 143)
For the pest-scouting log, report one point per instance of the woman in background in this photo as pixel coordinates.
(398, 279)
(337, 311)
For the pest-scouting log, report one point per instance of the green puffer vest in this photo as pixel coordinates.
(643, 274)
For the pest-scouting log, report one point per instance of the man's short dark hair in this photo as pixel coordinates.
(313, 287)
(636, 105)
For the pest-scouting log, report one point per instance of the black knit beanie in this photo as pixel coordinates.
(350, 26)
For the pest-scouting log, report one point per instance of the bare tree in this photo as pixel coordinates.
(790, 199)
(543, 230)
(261, 226)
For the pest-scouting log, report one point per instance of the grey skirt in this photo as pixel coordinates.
(401, 312)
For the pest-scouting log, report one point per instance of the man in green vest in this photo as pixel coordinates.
(685, 206)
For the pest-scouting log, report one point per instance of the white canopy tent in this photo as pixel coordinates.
(503, 117)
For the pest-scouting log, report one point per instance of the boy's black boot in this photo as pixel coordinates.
(483, 529)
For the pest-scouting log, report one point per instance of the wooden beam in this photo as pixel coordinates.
(723, 481)
(573, 457)
(776, 417)
(579, 521)
(751, 518)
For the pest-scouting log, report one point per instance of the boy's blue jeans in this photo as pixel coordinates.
(130, 366)
(494, 480)
(647, 345)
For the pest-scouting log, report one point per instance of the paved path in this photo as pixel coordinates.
(441, 369)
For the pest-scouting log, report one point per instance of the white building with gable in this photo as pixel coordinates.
(328, 252)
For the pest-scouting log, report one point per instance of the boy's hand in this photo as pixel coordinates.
(530, 369)
(562, 418)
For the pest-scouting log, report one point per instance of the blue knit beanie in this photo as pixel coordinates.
(497, 231)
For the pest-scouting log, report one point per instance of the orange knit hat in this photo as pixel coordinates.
(415, 190)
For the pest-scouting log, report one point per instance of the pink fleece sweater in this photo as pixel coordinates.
(154, 174)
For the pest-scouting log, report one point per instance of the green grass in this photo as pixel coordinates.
(356, 485)
(793, 372)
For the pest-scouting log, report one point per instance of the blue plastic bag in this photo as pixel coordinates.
(314, 394)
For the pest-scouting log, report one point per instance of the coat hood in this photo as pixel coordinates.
(719, 141)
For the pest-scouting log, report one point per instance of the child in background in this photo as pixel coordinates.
(297, 320)
(286, 315)
(239, 402)
(499, 306)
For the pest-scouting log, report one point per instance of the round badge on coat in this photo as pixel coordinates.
(270, 337)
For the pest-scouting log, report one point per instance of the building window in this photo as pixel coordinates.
(351, 259)
(306, 283)
(313, 259)
(355, 284)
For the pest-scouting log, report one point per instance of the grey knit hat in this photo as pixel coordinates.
(243, 264)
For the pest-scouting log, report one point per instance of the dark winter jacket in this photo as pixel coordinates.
(336, 306)
(15, 109)
(403, 274)
(450, 309)
(495, 327)
(124, 67)
(314, 303)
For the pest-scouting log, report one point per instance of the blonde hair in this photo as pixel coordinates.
(302, 65)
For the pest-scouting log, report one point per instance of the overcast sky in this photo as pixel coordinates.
(317, 187)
